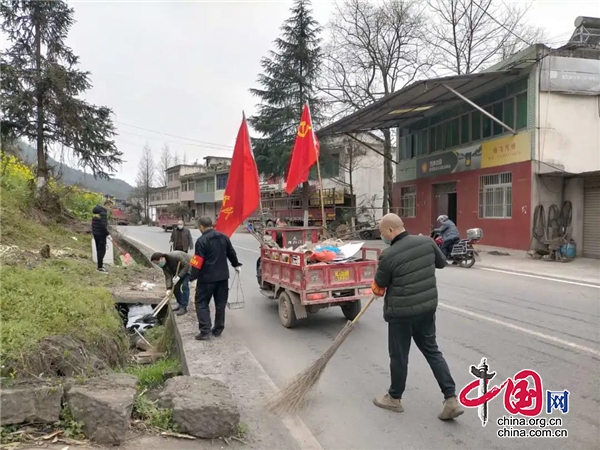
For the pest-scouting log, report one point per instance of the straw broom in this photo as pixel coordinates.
(292, 397)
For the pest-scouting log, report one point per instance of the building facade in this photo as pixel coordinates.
(525, 181)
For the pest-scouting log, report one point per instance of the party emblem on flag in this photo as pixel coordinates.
(303, 129)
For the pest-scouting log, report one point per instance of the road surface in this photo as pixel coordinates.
(516, 322)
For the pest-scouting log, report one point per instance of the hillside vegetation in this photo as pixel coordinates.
(58, 316)
(70, 176)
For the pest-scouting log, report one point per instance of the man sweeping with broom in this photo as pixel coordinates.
(406, 279)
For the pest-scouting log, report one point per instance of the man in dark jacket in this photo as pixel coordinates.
(406, 276)
(449, 233)
(181, 238)
(209, 267)
(100, 231)
(176, 268)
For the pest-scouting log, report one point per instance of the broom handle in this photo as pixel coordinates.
(364, 309)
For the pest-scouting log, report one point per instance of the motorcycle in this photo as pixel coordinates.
(463, 253)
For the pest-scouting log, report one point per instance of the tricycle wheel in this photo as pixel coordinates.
(351, 309)
(287, 315)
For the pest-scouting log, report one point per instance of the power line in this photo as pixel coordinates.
(228, 147)
(205, 146)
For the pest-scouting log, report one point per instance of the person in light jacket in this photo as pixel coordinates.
(449, 233)
(177, 282)
(181, 238)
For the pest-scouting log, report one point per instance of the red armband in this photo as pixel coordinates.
(196, 262)
(377, 291)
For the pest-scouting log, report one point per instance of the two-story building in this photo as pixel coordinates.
(514, 150)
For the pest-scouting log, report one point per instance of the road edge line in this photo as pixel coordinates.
(534, 333)
(576, 282)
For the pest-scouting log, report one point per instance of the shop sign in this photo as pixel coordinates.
(508, 150)
(449, 162)
(406, 170)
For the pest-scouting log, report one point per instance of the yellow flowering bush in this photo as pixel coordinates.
(18, 180)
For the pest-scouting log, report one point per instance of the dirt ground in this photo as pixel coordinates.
(143, 442)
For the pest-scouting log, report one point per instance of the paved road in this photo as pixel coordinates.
(516, 322)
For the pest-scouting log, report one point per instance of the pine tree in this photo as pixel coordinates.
(289, 80)
(42, 88)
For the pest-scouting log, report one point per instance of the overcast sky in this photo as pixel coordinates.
(184, 68)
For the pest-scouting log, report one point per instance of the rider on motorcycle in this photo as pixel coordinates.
(449, 233)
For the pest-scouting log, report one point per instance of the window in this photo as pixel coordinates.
(464, 129)
(463, 124)
(486, 124)
(222, 181)
(495, 196)
(409, 201)
(498, 109)
(210, 185)
(522, 111)
(422, 143)
(170, 177)
(330, 167)
(201, 186)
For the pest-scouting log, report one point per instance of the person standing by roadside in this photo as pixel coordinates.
(176, 268)
(181, 238)
(405, 277)
(100, 232)
(209, 267)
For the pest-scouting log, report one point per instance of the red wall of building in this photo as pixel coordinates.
(510, 233)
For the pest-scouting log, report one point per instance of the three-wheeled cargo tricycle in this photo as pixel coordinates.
(303, 288)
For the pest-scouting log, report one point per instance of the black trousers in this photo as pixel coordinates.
(422, 330)
(447, 246)
(219, 290)
(100, 242)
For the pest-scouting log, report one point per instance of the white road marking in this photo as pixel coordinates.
(540, 277)
(521, 329)
(247, 249)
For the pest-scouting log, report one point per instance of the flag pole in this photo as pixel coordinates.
(324, 218)
(260, 206)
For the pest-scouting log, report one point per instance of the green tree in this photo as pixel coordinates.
(289, 78)
(42, 88)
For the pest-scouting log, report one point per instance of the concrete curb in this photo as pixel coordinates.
(234, 364)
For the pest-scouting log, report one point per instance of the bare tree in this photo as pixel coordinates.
(166, 161)
(146, 179)
(176, 159)
(373, 50)
(470, 35)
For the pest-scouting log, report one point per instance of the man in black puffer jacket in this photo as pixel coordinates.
(406, 276)
(100, 231)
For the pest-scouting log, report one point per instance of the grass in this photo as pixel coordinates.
(58, 316)
(151, 376)
(148, 411)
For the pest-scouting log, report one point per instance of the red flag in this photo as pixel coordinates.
(304, 154)
(242, 193)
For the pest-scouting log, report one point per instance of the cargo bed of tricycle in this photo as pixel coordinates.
(302, 287)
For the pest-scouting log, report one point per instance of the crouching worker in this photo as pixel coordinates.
(177, 282)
